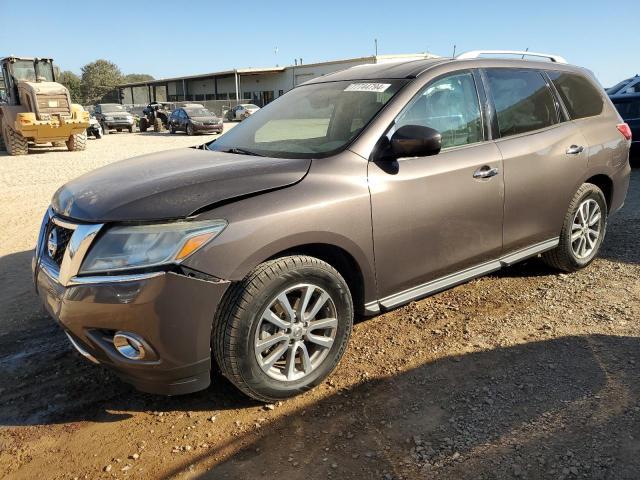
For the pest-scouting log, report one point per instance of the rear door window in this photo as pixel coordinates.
(522, 99)
(579, 95)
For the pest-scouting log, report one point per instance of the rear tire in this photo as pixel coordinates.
(240, 325)
(144, 124)
(77, 142)
(15, 143)
(157, 125)
(583, 231)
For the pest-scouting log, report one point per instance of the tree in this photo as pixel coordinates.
(99, 81)
(137, 77)
(72, 82)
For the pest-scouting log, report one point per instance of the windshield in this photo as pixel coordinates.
(619, 86)
(310, 121)
(112, 108)
(198, 112)
(30, 71)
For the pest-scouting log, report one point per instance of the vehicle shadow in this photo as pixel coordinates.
(560, 408)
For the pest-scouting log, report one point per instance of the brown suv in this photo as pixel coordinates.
(352, 194)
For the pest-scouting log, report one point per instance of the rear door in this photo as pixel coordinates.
(440, 214)
(544, 155)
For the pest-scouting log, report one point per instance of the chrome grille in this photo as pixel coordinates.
(62, 237)
(54, 105)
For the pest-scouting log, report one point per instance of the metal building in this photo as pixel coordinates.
(249, 85)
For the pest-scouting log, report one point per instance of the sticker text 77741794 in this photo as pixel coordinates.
(367, 87)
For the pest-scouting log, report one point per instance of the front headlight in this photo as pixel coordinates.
(142, 246)
(109, 119)
(196, 122)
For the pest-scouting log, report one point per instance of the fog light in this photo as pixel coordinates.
(129, 346)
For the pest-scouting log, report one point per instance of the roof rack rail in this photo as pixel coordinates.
(477, 53)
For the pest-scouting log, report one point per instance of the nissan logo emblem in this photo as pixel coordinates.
(52, 243)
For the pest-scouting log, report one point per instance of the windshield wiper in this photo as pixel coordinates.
(242, 151)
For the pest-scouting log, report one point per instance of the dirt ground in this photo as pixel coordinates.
(523, 374)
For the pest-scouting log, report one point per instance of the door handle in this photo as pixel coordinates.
(575, 149)
(485, 172)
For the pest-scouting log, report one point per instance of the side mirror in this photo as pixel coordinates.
(415, 141)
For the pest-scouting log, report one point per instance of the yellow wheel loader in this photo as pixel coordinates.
(35, 108)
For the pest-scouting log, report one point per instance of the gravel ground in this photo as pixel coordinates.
(523, 374)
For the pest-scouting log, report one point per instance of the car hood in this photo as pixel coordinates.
(172, 184)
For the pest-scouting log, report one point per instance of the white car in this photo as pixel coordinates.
(242, 111)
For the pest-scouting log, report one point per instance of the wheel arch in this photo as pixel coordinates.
(604, 183)
(338, 258)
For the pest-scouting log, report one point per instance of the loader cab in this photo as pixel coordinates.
(15, 70)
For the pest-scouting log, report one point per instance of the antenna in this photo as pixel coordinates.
(526, 50)
(454, 52)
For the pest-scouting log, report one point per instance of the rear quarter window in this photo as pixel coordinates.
(579, 95)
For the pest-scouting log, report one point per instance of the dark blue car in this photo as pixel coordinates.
(629, 107)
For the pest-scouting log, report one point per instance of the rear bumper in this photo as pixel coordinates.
(173, 314)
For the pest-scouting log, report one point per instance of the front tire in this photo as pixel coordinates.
(283, 329)
(15, 143)
(77, 142)
(144, 124)
(583, 231)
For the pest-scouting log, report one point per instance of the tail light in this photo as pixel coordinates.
(625, 130)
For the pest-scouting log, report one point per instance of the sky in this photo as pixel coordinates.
(174, 38)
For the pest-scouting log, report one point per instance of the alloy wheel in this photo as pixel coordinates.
(586, 229)
(295, 332)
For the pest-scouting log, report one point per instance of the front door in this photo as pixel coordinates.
(433, 216)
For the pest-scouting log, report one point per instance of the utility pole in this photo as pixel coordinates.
(375, 41)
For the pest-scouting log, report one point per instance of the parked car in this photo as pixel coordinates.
(94, 129)
(352, 194)
(628, 106)
(194, 120)
(240, 112)
(113, 116)
(628, 86)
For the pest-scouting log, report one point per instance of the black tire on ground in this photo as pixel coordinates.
(563, 256)
(190, 131)
(118, 129)
(15, 143)
(157, 124)
(97, 134)
(240, 313)
(105, 129)
(77, 142)
(144, 124)
(172, 129)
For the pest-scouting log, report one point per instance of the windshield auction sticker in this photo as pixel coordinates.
(367, 87)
